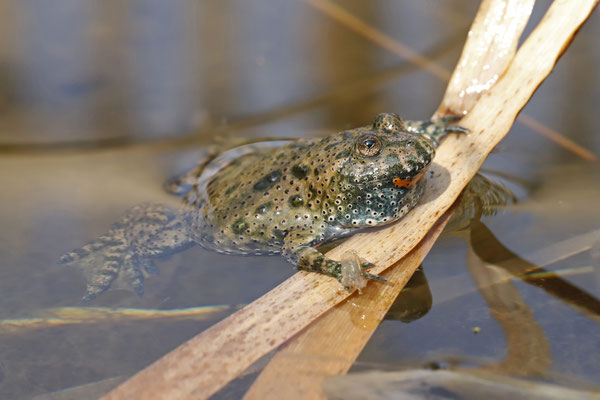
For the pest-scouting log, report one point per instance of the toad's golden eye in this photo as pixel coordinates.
(368, 145)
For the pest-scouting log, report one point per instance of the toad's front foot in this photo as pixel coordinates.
(351, 272)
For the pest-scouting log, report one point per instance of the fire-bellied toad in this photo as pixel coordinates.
(277, 197)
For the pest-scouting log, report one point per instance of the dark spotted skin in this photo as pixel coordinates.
(290, 197)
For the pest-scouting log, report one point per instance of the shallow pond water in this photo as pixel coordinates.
(85, 135)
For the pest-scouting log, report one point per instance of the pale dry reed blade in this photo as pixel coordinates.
(203, 365)
(490, 47)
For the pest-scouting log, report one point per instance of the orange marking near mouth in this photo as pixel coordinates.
(408, 183)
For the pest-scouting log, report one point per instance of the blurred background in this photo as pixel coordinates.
(77, 70)
(102, 101)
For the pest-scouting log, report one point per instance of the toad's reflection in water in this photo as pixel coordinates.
(482, 197)
(414, 301)
(273, 198)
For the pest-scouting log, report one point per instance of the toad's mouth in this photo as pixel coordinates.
(410, 181)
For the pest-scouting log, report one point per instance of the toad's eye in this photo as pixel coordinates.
(368, 145)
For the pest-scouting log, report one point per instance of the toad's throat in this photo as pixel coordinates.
(409, 182)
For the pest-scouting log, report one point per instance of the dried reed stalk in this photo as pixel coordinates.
(204, 364)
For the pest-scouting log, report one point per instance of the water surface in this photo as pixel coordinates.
(95, 118)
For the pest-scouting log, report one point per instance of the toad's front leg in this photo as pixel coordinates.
(350, 272)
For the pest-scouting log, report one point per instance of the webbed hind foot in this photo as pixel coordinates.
(122, 258)
(108, 262)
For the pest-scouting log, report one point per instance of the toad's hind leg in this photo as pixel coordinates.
(350, 272)
(436, 129)
(123, 256)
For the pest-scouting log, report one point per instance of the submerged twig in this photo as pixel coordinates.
(339, 14)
